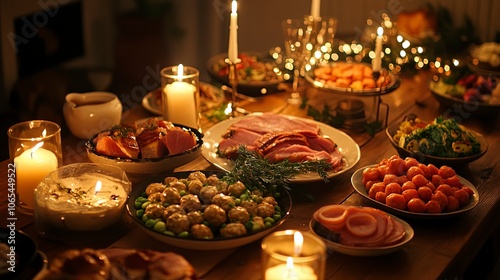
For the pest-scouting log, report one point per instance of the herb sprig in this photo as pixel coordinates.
(257, 173)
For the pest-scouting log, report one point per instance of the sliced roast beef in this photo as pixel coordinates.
(269, 122)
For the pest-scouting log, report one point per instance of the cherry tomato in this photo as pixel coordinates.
(425, 193)
(437, 180)
(381, 197)
(468, 190)
(426, 170)
(409, 194)
(416, 205)
(408, 185)
(371, 173)
(419, 180)
(396, 201)
(369, 184)
(453, 204)
(396, 166)
(446, 172)
(434, 170)
(462, 197)
(432, 206)
(446, 189)
(409, 162)
(392, 188)
(390, 178)
(377, 187)
(453, 181)
(402, 179)
(441, 198)
(413, 171)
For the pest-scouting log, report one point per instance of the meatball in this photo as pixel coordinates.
(201, 231)
(195, 217)
(171, 195)
(155, 197)
(154, 188)
(258, 224)
(169, 180)
(226, 202)
(207, 194)
(238, 214)
(236, 189)
(197, 175)
(222, 187)
(212, 180)
(194, 186)
(251, 206)
(172, 209)
(270, 200)
(190, 202)
(214, 215)
(154, 210)
(265, 210)
(233, 230)
(178, 223)
(178, 185)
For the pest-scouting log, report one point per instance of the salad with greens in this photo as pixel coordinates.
(441, 138)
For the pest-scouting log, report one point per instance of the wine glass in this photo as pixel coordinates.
(322, 40)
(297, 34)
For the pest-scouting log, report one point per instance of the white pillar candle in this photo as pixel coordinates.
(31, 167)
(290, 271)
(377, 61)
(315, 7)
(181, 101)
(232, 51)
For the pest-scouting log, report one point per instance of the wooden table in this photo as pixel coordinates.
(440, 249)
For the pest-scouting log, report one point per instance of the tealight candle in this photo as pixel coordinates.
(377, 61)
(293, 254)
(180, 95)
(35, 150)
(81, 197)
(232, 52)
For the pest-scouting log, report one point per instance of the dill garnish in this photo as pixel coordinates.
(257, 173)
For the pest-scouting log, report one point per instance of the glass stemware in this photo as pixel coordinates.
(297, 34)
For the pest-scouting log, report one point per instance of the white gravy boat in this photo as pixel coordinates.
(89, 113)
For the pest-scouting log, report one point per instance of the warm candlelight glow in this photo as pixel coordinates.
(36, 148)
(298, 240)
(98, 186)
(180, 72)
(377, 61)
(380, 31)
(232, 52)
(234, 7)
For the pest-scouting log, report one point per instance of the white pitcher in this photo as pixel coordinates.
(89, 113)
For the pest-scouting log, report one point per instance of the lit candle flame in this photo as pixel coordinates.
(180, 72)
(98, 186)
(290, 269)
(380, 31)
(234, 7)
(36, 148)
(44, 133)
(298, 240)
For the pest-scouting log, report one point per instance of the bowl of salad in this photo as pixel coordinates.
(440, 141)
(257, 73)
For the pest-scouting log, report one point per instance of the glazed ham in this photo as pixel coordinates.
(276, 138)
(153, 138)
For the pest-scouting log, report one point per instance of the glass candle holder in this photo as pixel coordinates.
(180, 95)
(35, 149)
(293, 254)
(80, 198)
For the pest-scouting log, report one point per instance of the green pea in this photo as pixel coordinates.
(268, 224)
(144, 194)
(150, 223)
(139, 213)
(249, 225)
(237, 201)
(169, 233)
(160, 226)
(277, 208)
(277, 217)
(144, 218)
(182, 192)
(137, 204)
(165, 204)
(269, 220)
(244, 197)
(183, 234)
(145, 204)
(277, 195)
(256, 227)
(141, 199)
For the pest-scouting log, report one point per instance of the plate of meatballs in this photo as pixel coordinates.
(204, 210)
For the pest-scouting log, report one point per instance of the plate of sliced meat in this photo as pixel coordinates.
(280, 137)
(360, 231)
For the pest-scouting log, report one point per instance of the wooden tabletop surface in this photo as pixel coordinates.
(440, 249)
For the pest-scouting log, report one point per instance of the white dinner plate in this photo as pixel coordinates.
(359, 251)
(152, 100)
(345, 144)
(357, 183)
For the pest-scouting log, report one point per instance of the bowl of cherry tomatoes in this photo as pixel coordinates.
(409, 188)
